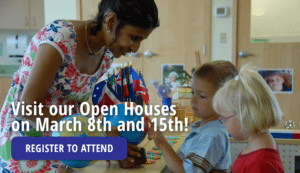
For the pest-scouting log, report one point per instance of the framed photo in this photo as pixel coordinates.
(173, 73)
(110, 71)
(279, 80)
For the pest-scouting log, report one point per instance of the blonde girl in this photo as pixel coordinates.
(249, 108)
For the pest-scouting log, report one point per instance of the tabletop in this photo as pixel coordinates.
(102, 167)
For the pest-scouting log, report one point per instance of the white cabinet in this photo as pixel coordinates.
(24, 14)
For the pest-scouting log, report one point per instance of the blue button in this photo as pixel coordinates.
(69, 148)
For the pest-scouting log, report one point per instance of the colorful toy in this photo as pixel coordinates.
(155, 148)
(156, 154)
(150, 161)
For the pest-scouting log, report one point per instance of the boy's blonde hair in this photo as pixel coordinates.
(251, 99)
(216, 72)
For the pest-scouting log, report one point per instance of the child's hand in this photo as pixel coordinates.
(157, 136)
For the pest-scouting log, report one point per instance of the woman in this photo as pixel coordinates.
(63, 63)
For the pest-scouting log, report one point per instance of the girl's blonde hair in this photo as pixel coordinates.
(251, 99)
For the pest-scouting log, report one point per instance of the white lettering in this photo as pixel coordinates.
(82, 110)
(129, 108)
(15, 111)
(139, 110)
(44, 148)
(98, 148)
(27, 148)
(104, 110)
(42, 126)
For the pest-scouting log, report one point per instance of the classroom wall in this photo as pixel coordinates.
(275, 18)
(54, 11)
(222, 51)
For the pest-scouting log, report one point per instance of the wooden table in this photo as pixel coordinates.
(102, 167)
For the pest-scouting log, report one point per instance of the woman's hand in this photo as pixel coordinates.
(63, 169)
(133, 158)
(132, 150)
(113, 133)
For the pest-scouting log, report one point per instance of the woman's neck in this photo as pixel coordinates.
(96, 42)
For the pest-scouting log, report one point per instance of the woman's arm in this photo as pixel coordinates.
(46, 65)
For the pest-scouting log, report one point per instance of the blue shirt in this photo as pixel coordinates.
(206, 148)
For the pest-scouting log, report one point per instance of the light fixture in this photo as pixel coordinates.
(149, 54)
(136, 54)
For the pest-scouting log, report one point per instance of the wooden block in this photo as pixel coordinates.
(189, 109)
(183, 113)
(176, 103)
(180, 113)
(184, 92)
(190, 116)
(185, 102)
(173, 117)
(191, 120)
(195, 119)
(180, 107)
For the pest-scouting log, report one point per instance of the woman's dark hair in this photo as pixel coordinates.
(137, 13)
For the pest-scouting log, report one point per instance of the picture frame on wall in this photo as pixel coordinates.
(173, 73)
(279, 80)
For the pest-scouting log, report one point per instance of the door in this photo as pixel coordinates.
(270, 55)
(185, 28)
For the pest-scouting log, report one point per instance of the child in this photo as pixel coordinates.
(278, 80)
(173, 80)
(249, 108)
(206, 148)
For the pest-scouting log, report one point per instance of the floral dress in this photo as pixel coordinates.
(70, 87)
